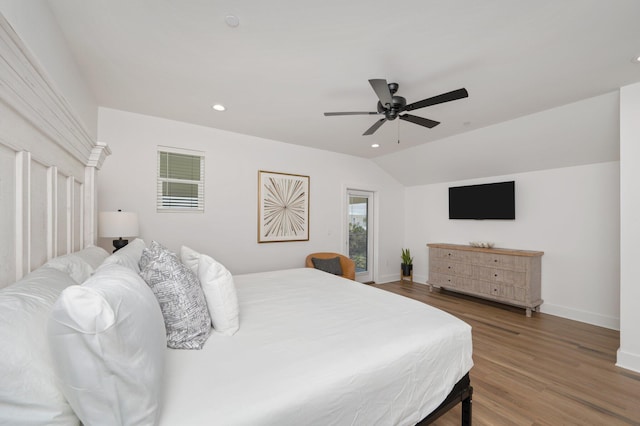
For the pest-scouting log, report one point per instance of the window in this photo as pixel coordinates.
(180, 180)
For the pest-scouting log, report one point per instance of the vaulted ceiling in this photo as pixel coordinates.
(288, 62)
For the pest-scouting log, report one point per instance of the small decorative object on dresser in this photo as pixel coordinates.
(503, 275)
(484, 244)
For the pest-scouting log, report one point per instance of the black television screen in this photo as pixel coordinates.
(487, 201)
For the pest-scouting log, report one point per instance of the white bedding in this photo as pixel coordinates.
(316, 349)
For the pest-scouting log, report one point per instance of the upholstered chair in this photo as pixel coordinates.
(348, 266)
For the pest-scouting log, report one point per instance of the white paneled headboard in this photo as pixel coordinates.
(48, 165)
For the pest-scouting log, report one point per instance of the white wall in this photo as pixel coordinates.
(629, 352)
(228, 228)
(34, 22)
(572, 214)
(584, 132)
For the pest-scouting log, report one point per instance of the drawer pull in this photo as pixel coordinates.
(495, 275)
(495, 260)
(448, 267)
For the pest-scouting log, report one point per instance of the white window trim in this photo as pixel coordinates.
(159, 180)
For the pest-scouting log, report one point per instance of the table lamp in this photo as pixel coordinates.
(117, 225)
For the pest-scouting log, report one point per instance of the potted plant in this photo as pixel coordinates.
(407, 262)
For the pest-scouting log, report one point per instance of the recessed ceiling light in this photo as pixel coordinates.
(375, 145)
(219, 107)
(637, 60)
(232, 20)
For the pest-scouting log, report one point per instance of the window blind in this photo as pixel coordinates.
(180, 180)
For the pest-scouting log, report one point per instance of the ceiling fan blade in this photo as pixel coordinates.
(330, 114)
(381, 88)
(375, 127)
(445, 97)
(419, 120)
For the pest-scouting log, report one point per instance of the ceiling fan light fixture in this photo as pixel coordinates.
(375, 145)
(219, 107)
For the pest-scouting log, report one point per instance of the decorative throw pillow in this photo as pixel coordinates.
(149, 253)
(108, 343)
(181, 299)
(220, 292)
(29, 392)
(128, 255)
(331, 266)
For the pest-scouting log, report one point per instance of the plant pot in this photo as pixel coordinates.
(406, 269)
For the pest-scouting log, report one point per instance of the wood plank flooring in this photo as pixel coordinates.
(543, 370)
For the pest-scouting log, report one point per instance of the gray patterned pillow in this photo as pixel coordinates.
(331, 266)
(182, 301)
(148, 254)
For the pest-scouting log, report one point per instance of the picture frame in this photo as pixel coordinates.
(283, 207)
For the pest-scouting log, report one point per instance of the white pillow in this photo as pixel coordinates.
(107, 340)
(220, 292)
(93, 255)
(128, 255)
(29, 392)
(190, 258)
(74, 265)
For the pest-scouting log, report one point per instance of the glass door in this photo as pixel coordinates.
(360, 233)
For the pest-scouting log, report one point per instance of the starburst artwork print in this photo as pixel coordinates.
(283, 207)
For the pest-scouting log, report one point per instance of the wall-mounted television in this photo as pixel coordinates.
(486, 201)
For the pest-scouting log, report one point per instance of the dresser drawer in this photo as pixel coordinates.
(445, 266)
(467, 285)
(508, 276)
(509, 292)
(455, 255)
(517, 263)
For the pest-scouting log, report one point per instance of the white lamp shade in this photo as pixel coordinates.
(117, 224)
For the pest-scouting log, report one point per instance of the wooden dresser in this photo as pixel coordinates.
(503, 275)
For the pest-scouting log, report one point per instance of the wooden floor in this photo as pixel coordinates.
(543, 370)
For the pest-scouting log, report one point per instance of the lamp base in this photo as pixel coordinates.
(119, 243)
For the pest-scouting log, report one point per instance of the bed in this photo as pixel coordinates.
(311, 348)
(317, 349)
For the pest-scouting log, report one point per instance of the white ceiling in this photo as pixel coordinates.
(289, 61)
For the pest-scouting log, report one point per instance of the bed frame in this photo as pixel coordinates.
(462, 392)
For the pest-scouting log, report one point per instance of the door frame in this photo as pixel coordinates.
(374, 210)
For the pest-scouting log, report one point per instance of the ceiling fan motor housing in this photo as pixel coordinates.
(397, 106)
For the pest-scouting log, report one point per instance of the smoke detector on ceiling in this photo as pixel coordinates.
(232, 20)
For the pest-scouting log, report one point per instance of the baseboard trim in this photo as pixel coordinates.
(628, 361)
(582, 316)
(388, 278)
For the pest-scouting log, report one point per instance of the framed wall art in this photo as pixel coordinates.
(283, 207)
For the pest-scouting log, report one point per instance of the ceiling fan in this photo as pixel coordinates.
(392, 106)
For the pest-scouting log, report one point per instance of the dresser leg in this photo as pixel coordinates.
(529, 312)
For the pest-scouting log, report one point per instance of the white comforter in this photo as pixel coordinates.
(316, 349)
